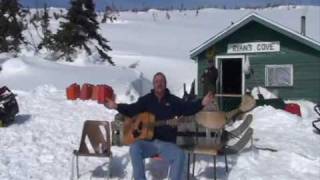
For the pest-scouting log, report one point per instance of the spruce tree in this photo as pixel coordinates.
(11, 26)
(81, 28)
(47, 40)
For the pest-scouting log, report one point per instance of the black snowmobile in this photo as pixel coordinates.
(8, 106)
(316, 123)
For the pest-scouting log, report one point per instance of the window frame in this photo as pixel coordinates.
(268, 66)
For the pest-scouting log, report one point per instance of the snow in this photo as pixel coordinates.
(40, 143)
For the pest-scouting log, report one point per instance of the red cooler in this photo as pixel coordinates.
(293, 108)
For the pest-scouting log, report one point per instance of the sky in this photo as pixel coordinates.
(129, 4)
(39, 144)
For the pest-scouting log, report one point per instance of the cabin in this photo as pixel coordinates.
(259, 52)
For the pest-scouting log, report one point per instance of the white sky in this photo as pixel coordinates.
(40, 144)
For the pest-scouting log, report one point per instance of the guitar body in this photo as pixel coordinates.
(140, 127)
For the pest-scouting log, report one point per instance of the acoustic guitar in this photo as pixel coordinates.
(141, 127)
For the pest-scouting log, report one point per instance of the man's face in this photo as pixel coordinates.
(159, 84)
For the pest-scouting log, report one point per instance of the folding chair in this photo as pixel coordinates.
(213, 148)
(95, 141)
(221, 148)
(211, 138)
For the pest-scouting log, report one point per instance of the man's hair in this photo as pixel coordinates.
(159, 74)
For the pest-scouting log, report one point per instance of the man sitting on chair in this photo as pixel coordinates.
(163, 105)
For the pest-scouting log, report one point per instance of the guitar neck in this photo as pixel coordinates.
(162, 123)
(170, 122)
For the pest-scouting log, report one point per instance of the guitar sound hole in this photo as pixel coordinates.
(140, 126)
(136, 133)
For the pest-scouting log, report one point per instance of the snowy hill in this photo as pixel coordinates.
(176, 4)
(40, 143)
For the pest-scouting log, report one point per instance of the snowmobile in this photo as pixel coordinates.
(8, 106)
(316, 123)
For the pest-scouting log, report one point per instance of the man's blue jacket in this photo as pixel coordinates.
(167, 108)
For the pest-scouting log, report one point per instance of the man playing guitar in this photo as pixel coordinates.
(163, 105)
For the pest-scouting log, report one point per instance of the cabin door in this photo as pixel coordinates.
(230, 84)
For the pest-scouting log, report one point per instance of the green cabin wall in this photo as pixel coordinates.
(305, 61)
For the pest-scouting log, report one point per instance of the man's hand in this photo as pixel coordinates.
(110, 103)
(207, 99)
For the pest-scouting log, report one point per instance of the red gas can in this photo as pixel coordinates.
(86, 91)
(104, 91)
(73, 91)
(293, 108)
(95, 92)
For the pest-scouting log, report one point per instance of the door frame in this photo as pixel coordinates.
(218, 60)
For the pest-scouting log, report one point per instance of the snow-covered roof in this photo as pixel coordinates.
(257, 18)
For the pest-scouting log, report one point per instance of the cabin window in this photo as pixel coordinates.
(279, 75)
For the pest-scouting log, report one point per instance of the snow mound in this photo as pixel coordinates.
(13, 66)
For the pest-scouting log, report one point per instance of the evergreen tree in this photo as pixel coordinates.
(47, 40)
(11, 25)
(80, 28)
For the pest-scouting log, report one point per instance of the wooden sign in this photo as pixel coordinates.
(253, 47)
